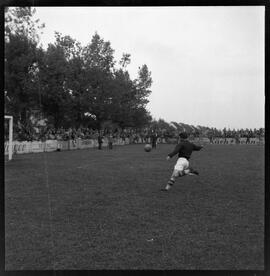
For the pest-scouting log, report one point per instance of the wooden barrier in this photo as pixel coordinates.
(72, 144)
(53, 145)
(63, 145)
(205, 140)
(254, 141)
(50, 145)
(224, 141)
(231, 141)
(37, 146)
(84, 144)
(218, 141)
(262, 141)
(242, 140)
(22, 147)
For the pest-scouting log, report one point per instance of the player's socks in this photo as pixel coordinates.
(169, 184)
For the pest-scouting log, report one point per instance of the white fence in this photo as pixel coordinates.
(53, 145)
(241, 141)
(227, 141)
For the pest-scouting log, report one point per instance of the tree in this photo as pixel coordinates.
(132, 96)
(123, 99)
(21, 61)
(161, 126)
(69, 82)
(141, 117)
(71, 48)
(142, 84)
(125, 60)
(113, 95)
(99, 54)
(98, 64)
(75, 82)
(57, 97)
(19, 21)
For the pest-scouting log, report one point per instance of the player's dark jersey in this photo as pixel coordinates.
(184, 149)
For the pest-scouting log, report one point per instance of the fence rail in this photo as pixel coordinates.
(53, 145)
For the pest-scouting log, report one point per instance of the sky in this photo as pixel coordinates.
(207, 63)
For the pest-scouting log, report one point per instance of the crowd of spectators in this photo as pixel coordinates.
(242, 133)
(29, 133)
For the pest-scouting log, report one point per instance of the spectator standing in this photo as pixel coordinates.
(100, 141)
(154, 140)
(110, 141)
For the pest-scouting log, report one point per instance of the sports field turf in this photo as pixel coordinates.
(91, 209)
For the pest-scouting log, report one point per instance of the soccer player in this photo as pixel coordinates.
(184, 150)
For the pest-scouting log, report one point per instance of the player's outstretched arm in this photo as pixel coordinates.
(174, 152)
(197, 147)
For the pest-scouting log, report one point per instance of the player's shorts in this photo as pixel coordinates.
(181, 164)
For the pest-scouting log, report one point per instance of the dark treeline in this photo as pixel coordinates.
(70, 84)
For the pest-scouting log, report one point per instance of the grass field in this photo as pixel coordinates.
(91, 209)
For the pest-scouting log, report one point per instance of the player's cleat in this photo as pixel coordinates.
(164, 190)
(169, 185)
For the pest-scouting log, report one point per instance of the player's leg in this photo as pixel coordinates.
(178, 171)
(190, 171)
(187, 170)
(175, 174)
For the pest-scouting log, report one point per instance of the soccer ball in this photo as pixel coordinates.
(147, 147)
